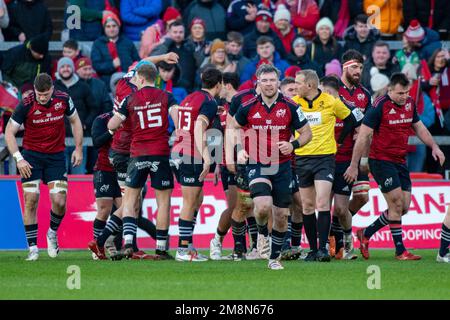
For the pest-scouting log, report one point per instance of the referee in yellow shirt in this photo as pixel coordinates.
(315, 161)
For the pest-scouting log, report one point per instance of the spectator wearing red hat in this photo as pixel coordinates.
(112, 52)
(138, 15)
(263, 21)
(241, 16)
(212, 13)
(92, 13)
(154, 35)
(421, 39)
(431, 14)
(283, 28)
(197, 39)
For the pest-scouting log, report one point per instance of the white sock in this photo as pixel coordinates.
(161, 245)
(128, 238)
(218, 237)
(51, 231)
(34, 248)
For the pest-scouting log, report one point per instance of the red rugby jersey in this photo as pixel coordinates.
(44, 124)
(359, 98)
(148, 111)
(392, 124)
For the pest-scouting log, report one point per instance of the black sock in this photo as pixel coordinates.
(296, 233)
(378, 224)
(185, 229)
(323, 225)
(129, 231)
(220, 233)
(31, 231)
(238, 229)
(99, 225)
(55, 220)
(336, 229)
(310, 224)
(277, 243)
(148, 226)
(263, 230)
(161, 239)
(118, 239)
(353, 213)
(112, 228)
(135, 246)
(252, 230)
(287, 237)
(194, 222)
(445, 240)
(396, 231)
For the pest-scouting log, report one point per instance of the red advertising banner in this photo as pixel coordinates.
(421, 226)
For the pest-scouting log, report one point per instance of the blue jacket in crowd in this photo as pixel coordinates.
(102, 61)
(137, 15)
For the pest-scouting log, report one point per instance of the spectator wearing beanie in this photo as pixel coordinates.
(283, 28)
(21, 64)
(241, 16)
(197, 39)
(423, 40)
(390, 16)
(324, 46)
(299, 57)
(218, 57)
(83, 67)
(361, 36)
(333, 68)
(92, 14)
(137, 15)
(212, 13)
(154, 35)
(431, 14)
(85, 103)
(28, 19)
(378, 83)
(263, 21)
(112, 52)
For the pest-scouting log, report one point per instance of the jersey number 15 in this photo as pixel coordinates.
(153, 118)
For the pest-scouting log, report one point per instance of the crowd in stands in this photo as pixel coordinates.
(234, 36)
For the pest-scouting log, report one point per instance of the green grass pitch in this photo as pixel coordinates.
(47, 278)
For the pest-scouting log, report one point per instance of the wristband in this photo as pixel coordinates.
(364, 161)
(17, 156)
(295, 144)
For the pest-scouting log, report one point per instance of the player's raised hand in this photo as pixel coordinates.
(438, 155)
(351, 174)
(285, 147)
(77, 157)
(24, 168)
(171, 58)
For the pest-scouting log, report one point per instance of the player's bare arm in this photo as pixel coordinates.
(425, 136)
(200, 143)
(361, 145)
(10, 137)
(77, 132)
(115, 122)
(170, 58)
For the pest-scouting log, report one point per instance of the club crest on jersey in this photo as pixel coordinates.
(408, 106)
(361, 96)
(281, 113)
(58, 106)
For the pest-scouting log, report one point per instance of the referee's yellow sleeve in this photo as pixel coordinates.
(341, 111)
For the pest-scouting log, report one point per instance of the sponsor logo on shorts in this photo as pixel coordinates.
(388, 182)
(346, 188)
(104, 188)
(165, 183)
(330, 176)
(251, 173)
(121, 175)
(188, 180)
(152, 165)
